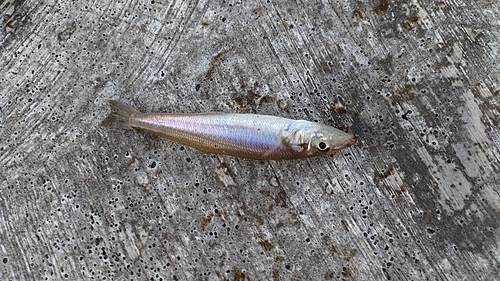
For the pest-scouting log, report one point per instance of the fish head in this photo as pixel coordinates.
(323, 139)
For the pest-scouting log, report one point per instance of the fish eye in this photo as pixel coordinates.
(322, 146)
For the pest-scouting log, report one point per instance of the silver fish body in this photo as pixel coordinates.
(242, 135)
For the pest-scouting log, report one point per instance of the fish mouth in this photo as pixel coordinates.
(351, 141)
(348, 141)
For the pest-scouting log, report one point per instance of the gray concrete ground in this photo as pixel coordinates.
(417, 83)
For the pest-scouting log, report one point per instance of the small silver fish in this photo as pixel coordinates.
(242, 135)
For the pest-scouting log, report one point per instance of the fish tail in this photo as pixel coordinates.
(119, 116)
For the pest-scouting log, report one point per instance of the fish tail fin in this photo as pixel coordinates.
(119, 116)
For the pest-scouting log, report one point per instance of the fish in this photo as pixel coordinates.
(252, 136)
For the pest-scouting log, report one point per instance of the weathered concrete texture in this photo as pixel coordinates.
(417, 198)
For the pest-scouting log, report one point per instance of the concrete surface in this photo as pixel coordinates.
(417, 83)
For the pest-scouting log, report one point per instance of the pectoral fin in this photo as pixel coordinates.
(282, 139)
